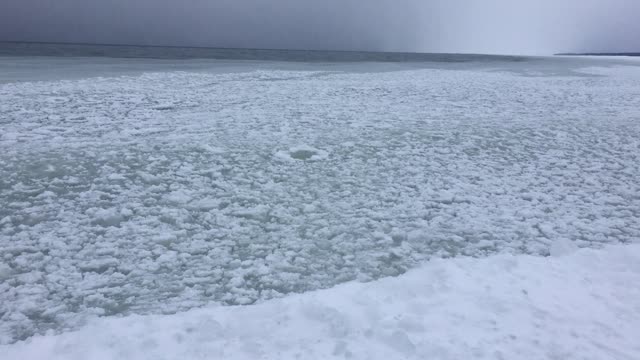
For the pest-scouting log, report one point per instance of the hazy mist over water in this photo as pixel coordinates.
(494, 26)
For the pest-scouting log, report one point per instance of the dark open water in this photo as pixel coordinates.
(162, 52)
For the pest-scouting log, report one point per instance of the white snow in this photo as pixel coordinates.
(162, 192)
(562, 247)
(580, 306)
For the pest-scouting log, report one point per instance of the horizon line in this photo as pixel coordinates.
(267, 49)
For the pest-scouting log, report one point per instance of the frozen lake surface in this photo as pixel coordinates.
(157, 192)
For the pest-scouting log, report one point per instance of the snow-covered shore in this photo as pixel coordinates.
(581, 305)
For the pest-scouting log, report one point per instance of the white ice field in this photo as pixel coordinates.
(160, 192)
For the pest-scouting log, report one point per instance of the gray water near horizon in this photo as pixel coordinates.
(20, 61)
(184, 53)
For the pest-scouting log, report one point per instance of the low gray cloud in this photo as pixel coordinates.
(490, 26)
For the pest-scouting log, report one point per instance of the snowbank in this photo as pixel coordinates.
(583, 305)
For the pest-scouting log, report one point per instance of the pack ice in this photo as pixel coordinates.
(164, 192)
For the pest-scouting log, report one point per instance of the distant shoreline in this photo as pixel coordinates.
(600, 54)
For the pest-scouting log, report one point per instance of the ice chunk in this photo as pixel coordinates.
(302, 153)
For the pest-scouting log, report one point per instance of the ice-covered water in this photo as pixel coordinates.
(165, 191)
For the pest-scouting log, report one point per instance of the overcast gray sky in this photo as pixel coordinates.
(478, 26)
